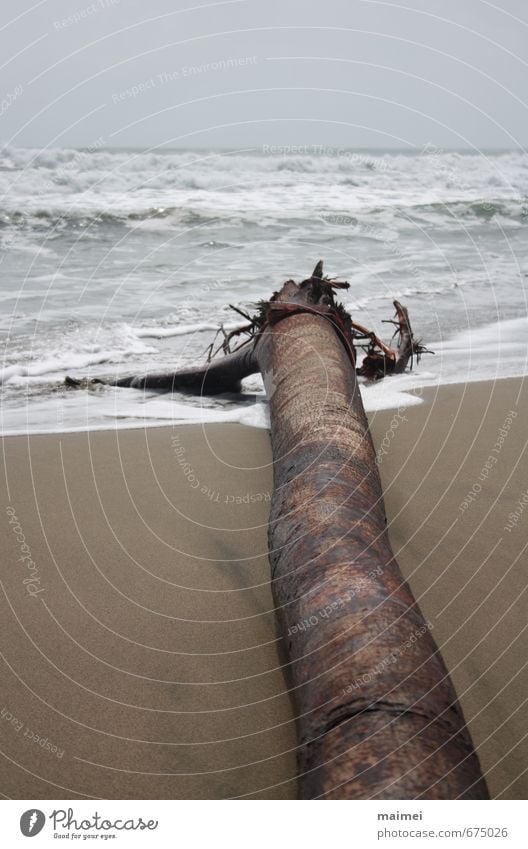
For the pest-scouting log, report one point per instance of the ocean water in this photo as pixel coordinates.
(117, 262)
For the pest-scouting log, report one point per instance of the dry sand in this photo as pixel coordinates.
(141, 655)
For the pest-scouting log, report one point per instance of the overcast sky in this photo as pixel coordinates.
(246, 73)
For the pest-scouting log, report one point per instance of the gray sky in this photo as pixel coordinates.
(248, 73)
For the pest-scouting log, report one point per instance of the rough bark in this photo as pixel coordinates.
(377, 714)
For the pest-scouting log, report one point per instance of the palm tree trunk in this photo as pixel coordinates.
(377, 713)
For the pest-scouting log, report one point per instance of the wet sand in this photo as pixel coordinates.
(141, 654)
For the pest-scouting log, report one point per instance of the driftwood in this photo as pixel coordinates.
(377, 714)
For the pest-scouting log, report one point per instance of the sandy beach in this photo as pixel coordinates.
(141, 653)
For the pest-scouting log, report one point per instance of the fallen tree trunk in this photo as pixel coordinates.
(377, 714)
(218, 376)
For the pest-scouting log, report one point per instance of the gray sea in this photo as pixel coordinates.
(123, 261)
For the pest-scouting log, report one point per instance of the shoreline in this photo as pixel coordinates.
(147, 651)
(403, 393)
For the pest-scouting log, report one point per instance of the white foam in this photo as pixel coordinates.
(79, 350)
(132, 183)
(511, 332)
(116, 409)
(394, 392)
(158, 332)
(489, 352)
